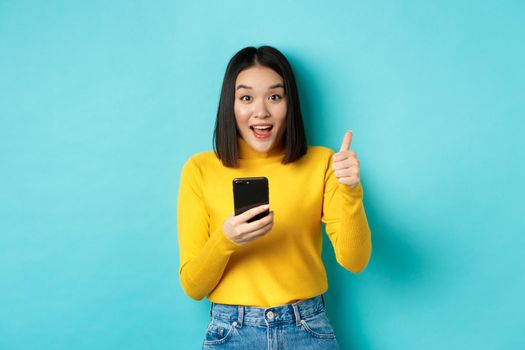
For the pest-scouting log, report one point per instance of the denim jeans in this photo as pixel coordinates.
(302, 325)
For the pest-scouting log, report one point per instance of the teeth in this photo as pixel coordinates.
(262, 127)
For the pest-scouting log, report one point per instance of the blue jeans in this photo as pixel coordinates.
(302, 325)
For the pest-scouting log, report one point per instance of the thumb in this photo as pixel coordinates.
(347, 141)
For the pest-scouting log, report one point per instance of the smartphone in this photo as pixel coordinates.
(250, 192)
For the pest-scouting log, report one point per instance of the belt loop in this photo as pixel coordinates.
(240, 315)
(211, 308)
(297, 314)
(322, 298)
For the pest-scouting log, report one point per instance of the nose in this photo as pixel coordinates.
(261, 110)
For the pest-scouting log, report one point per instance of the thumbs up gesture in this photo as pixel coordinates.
(345, 163)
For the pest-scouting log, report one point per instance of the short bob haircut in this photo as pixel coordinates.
(226, 134)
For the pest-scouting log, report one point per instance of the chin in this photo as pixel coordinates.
(261, 147)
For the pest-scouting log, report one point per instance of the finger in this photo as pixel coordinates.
(248, 214)
(248, 231)
(350, 181)
(251, 236)
(256, 225)
(343, 155)
(343, 164)
(346, 172)
(347, 141)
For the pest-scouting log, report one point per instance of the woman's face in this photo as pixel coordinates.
(260, 107)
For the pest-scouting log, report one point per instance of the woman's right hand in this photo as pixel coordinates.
(238, 230)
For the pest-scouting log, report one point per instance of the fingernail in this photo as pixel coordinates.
(266, 206)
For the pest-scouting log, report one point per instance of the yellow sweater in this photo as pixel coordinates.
(284, 265)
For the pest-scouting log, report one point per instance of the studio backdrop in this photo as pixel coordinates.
(101, 103)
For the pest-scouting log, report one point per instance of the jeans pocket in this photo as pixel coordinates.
(318, 326)
(218, 332)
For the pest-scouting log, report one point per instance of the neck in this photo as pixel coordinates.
(247, 152)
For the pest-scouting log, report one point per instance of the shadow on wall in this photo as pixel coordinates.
(396, 266)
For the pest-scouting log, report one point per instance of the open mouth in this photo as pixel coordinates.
(262, 131)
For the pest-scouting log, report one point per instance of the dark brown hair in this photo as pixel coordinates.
(225, 134)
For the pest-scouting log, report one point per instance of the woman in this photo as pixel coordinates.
(265, 278)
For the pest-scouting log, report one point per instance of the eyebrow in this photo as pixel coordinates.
(274, 86)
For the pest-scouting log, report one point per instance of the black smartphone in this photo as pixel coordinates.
(250, 192)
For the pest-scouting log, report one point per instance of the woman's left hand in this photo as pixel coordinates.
(345, 163)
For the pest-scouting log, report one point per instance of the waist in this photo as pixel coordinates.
(271, 315)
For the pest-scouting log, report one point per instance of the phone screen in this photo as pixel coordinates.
(250, 192)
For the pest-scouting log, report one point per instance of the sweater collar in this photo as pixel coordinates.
(247, 152)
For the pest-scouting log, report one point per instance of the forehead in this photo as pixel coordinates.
(258, 75)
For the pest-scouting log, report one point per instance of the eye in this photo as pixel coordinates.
(275, 97)
(246, 98)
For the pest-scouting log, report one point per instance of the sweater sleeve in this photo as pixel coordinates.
(346, 222)
(203, 256)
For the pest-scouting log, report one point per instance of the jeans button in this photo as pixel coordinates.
(270, 315)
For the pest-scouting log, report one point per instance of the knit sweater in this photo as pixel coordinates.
(285, 265)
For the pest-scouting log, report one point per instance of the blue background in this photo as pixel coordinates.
(102, 102)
